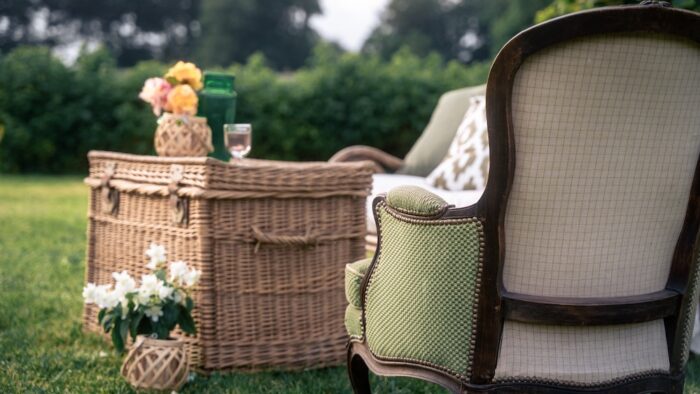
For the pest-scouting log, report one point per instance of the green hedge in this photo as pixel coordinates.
(53, 114)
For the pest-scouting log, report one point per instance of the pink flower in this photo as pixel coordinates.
(155, 92)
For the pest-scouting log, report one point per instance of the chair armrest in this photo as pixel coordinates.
(414, 200)
(420, 295)
(383, 161)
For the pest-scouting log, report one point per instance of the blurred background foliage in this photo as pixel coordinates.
(306, 97)
(53, 114)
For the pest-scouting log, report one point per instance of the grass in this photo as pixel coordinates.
(42, 347)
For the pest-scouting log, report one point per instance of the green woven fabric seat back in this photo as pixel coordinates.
(420, 303)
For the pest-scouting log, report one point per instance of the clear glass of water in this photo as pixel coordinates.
(238, 139)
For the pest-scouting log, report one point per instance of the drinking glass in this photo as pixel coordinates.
(238, 139)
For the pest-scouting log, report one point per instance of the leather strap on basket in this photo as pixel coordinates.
(110, 196)
(179, 206)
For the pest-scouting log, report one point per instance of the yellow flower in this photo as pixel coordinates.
(182, 100)
(185, 73)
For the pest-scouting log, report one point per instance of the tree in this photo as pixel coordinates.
(419, 24)
(131, 30)
(510, 21)
(561, 7)
(234, 30)
(466, 30)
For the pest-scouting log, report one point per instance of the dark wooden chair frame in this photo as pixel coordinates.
(495, 302)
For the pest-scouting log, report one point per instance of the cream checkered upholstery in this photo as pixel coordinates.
(607, 136)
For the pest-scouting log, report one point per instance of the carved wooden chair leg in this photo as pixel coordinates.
(358, 373)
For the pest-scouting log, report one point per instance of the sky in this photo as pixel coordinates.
(348, 22)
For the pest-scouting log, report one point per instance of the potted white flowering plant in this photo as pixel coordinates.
(148, 313)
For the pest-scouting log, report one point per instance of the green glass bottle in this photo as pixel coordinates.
(217, 103)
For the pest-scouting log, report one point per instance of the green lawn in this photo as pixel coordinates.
(42, 347)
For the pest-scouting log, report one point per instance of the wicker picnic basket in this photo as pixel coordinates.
(271, 239)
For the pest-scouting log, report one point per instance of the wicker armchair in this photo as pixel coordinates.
(577, 269)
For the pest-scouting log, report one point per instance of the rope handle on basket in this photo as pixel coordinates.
(179, 207)
(110, 196)
(308, 239)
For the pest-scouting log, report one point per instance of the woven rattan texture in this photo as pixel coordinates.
(253, 178)
(583, 355)
(421, 297)
(183, 136)
(156, 365)
(271, 293)
(607, 136)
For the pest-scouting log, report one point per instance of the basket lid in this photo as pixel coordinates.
(207, 177)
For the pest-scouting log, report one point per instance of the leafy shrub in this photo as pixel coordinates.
(53, 114)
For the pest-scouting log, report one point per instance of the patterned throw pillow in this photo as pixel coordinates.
(466, 166)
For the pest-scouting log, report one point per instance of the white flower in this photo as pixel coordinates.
(150, 284)
(120, 295)
(192, 277)
(157, 255)
(125, 283)
(89, 293)
(178, 270)
(154, 312)
(164, 292)
(105, 298)
(142, 297)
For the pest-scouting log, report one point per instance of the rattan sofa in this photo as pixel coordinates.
(577, 269)
(427, 152)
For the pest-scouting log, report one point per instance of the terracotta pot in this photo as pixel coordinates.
(183, 136)
(156, 364)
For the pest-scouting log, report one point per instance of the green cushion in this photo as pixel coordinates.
(688, 312)
(415, 200)
(431, 147)
(353, 321)
(421, 300)
(354, 273)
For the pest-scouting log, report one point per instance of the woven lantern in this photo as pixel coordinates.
(156, 364)
(183, 136)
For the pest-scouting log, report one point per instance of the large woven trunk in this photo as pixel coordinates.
(271, 239)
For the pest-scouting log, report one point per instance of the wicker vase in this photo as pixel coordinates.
(156, 364)
(183, 136)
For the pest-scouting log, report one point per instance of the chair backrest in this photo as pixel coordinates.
(594, 124)
(432, 145)
(606, 130)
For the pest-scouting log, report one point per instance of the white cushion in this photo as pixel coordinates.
(466, 165)
(382, 183)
